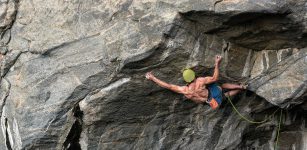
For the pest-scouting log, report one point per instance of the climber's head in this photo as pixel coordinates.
(188, 75)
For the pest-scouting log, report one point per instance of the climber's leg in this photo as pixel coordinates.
(233, 86)
(231, 93)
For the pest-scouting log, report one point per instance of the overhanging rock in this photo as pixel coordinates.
(76, 73)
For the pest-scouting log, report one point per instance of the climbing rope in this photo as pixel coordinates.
(246, 119)
(236, 110)
(259, 122)
(277, 137)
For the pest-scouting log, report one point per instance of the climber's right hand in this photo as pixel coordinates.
(218, 59)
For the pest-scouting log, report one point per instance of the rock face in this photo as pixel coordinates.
(72, 73)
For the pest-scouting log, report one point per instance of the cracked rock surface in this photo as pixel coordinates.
(72, 73)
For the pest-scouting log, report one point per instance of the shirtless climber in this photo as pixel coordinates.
(202, 89)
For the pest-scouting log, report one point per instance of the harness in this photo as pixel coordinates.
(214, 95)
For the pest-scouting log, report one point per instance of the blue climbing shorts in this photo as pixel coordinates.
(215, 96)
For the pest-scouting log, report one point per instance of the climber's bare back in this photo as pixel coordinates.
(197, 91)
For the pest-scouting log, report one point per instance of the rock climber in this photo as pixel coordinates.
(202, 89)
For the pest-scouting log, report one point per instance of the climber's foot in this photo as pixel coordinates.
(244, 86)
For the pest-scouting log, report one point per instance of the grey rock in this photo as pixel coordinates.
(3, 49)
(8, 10)
(5, 88)
(8, 61)
(73, 73)
(285, 82)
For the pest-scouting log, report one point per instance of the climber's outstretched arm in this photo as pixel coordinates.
(175, 88)
(215, 77)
